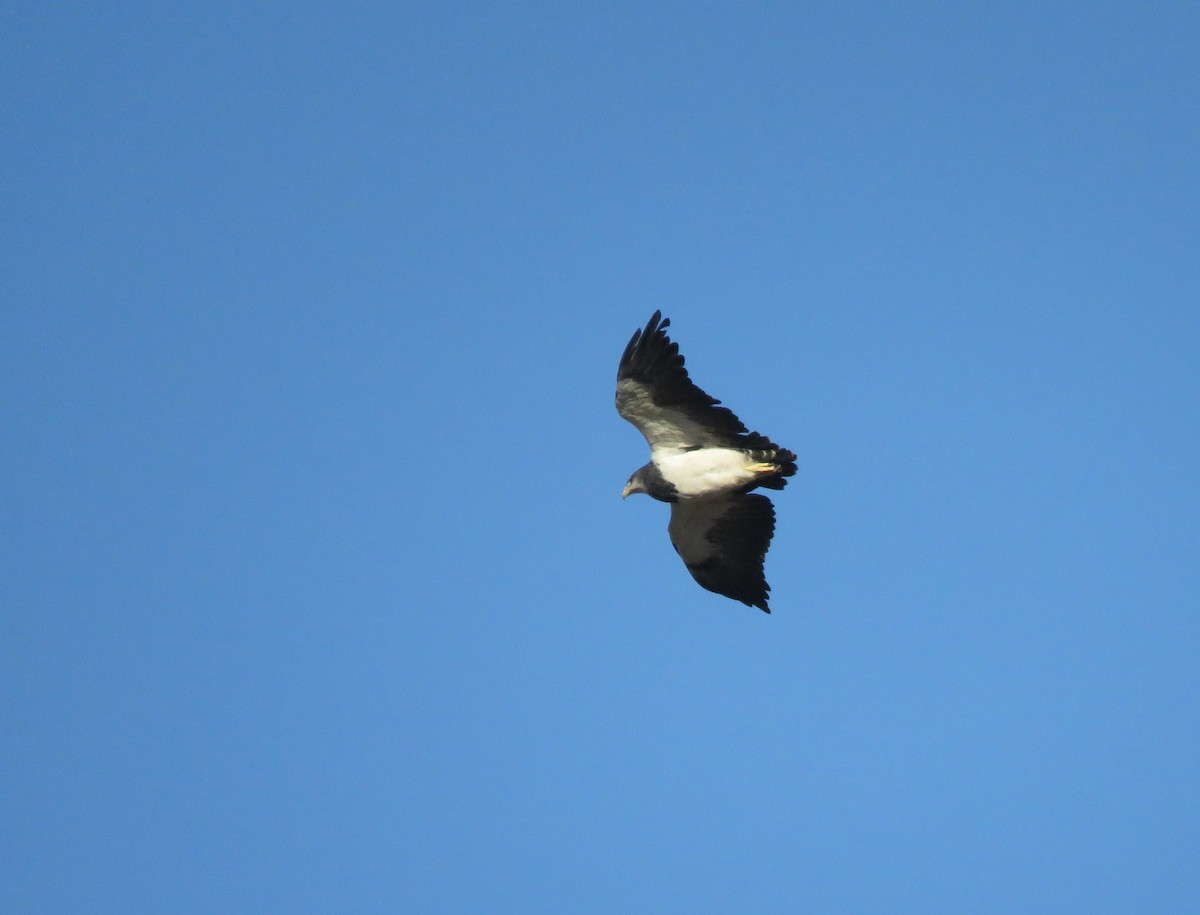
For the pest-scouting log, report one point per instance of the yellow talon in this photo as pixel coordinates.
(761, 467)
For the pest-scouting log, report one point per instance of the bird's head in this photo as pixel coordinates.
(633, 485)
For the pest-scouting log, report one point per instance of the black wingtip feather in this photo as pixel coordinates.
(651, 358)
(743, 534)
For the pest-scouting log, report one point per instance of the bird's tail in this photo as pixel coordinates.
(762, 450)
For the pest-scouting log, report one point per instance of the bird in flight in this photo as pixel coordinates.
(705, 463)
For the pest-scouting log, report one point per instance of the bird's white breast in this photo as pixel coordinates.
(705, 471)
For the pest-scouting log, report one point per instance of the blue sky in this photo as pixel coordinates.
(319, 593)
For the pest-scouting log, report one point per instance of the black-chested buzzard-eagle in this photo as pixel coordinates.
(705, 463)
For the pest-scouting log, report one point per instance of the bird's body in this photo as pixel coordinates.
(704, 472)
(705, 463)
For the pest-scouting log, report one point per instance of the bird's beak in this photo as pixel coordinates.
(627, 490)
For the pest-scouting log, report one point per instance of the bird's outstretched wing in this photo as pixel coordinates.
(723, 542)
(655, 393)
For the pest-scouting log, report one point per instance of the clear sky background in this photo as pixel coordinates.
(318, 591)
